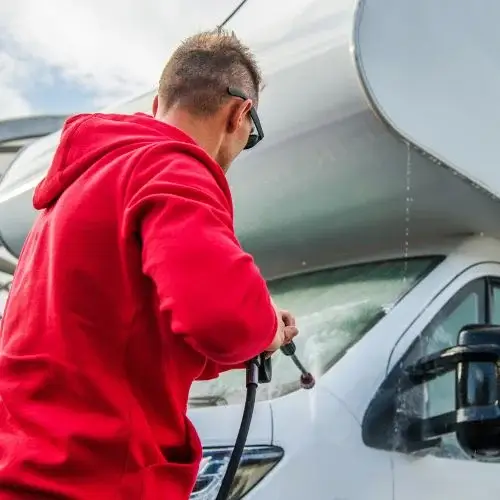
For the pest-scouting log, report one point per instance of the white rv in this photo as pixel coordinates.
(373, 208)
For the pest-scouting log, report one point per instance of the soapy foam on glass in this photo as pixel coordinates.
(331, 316)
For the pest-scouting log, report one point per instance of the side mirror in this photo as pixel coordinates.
(476, 419)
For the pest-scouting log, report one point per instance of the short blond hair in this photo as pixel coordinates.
(202, 68)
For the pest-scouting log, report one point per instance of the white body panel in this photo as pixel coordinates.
(218, 425)
(324, 454)
(431, 69)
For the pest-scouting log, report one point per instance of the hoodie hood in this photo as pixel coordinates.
(87, 138)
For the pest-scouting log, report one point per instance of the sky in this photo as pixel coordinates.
(64, 56)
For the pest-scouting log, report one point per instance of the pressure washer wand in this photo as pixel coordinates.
(306, 378)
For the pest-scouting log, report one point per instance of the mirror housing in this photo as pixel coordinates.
(476, 419)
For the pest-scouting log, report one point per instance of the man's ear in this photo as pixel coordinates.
(155, 105)
(238, 113)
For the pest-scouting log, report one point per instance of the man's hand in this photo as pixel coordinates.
(286, 330)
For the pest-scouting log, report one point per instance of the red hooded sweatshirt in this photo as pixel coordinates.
(130, 286)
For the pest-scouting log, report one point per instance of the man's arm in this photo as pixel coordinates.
(212, 370)
(210, 290)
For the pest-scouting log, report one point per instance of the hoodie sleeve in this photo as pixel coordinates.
(213, 370)
(210, 290)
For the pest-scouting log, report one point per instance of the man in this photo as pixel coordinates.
(130, 286)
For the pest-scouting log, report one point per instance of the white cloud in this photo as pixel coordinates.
(12, 102)
(111, 47)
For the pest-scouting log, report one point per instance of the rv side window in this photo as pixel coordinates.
(495, 302)
(438, 396)
(468, 306)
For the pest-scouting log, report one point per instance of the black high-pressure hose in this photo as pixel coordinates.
(259, 370)
(252, 383)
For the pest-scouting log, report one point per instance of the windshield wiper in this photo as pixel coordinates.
(202, 401)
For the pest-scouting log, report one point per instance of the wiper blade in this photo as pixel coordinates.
(202, 401)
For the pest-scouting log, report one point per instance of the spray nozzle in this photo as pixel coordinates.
(307, 380)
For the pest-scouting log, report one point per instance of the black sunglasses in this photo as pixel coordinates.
(257, 134)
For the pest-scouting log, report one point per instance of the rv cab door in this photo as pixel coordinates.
(446, 471)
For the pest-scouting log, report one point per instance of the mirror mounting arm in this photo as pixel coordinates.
(447, 360)
(476, 418)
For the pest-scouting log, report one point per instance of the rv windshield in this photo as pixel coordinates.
(334, 309)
